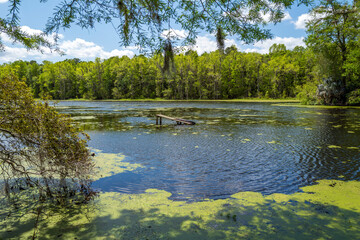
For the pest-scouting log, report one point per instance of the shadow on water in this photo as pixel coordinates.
(257, 222)
(330, 212)
(268, 220)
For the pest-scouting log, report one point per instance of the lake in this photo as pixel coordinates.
(234, 146)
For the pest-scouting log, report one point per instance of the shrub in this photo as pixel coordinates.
(307, 93)
(354, 97)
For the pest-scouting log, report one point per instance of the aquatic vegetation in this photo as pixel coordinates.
(108, 164)
(327, 210)
(214, 160)
(76, 118)
(333, 146)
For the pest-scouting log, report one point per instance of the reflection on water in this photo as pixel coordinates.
(233, 147)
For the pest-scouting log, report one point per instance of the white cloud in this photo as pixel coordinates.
(88, 50)
(267, 16)
(12, 54)
(26, 29)
(31, 30)
(204, 44)
(50, 37)
(306, 17)
(137, 47)
(287, 16)
(77, 48)
(302, 20)
(3, 1)
(289, 42)
(5, 38)
(19, 53)
(207, 44)
(174, 34)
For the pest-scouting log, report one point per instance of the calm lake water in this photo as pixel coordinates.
(233, 147)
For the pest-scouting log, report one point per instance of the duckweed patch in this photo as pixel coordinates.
(108, 164)
(328, 210)
(77, 118)
(333, 146)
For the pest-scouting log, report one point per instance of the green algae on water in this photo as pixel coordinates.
(328, 210)
(108, 164)
(77, 118)
(333, 146)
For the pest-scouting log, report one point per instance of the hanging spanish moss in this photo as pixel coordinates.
(220, 39)
(123, 10)
(121, 5)
(168, 56)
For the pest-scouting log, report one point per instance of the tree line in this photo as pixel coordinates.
(216, 75)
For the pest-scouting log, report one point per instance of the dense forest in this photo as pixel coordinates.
(229, 75)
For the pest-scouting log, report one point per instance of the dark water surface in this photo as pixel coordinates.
(233, 147)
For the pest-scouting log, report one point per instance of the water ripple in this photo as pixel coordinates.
(233, 147)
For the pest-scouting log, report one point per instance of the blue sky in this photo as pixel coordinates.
(103, 42)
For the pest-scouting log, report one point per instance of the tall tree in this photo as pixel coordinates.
(334, 28)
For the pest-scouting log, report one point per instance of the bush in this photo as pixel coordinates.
(354, 97)
(307, 93)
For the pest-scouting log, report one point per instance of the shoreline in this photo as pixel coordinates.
(246, 100)
(292, 102)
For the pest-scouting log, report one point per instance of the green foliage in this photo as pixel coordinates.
(333, 34)
(352, 66)
(214, 75)
(354, 97)
(277, 49)
(307, 93)
(40, 149)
